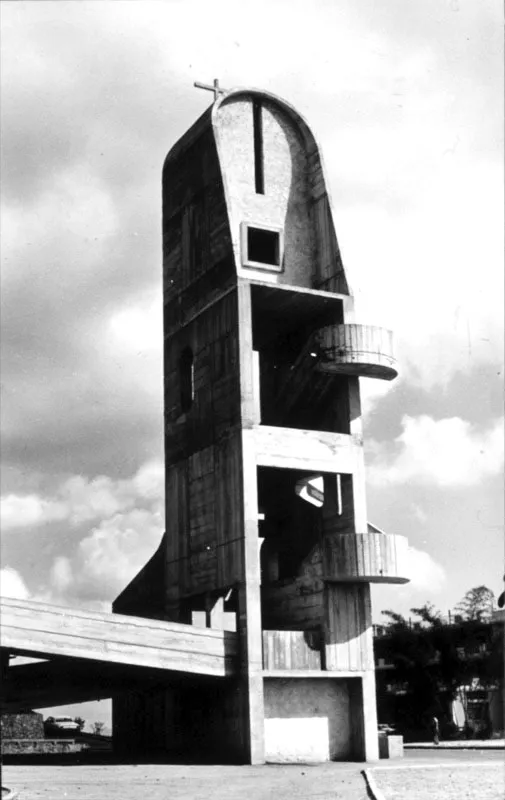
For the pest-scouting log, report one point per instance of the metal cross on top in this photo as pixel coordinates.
(214, 88)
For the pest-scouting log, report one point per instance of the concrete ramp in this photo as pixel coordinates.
(65, 681)
(46, 631)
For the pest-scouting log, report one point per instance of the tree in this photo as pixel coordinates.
(415, 654)
(81, 723)
(428, 614)
(433, 660)
(98, 728)
(477, 604)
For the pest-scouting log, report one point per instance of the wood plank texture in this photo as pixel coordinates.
(291, 650)
(328, 269)
(307, 450)
(46, 630)
(348, 638)
(370, 557)
(212, 338)
(296, 603)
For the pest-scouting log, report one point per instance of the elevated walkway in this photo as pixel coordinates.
(92, 655)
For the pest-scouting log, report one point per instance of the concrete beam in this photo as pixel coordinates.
(313, 451)
(40, 630)
(65, 681)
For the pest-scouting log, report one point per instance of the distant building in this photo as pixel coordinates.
(477, 709)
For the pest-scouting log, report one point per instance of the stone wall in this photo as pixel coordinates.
(17, 747)
(26, 725)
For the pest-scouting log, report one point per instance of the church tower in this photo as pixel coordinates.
(266, 520)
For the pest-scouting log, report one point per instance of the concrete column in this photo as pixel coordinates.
(249, 597)
(214, 612)
(370, 731)
(371, 736)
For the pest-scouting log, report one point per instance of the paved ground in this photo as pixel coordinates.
(459, 744)
(158, 782)
(421, 757)
(422, 775)
(474, 780)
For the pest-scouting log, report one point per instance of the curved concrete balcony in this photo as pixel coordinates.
(365, 557)
(357, 350)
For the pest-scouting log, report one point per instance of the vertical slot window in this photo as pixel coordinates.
(186, 379)
(259, 174)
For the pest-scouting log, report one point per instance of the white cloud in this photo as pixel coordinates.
(115, 551)
(372, 392)
(100, 497)
(61, 574)
(419, 513)
(129, 523)
(446, 452)
(105, 561)
(134, 344)
(12, 584)
(22, 511)
(73, 218)
(81, 500)
(149, 482)
(424, 572)
(414, 271)
(427, 578)
(139, 328)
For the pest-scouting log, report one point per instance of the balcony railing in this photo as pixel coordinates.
(363, 350)
(292, 650)
(368, 557)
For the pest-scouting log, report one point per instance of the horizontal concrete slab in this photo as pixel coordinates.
(63, 681)
(45, 631)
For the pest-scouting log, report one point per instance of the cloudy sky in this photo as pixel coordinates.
(406, 101)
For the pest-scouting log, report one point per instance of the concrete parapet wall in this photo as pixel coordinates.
(307, 720)
(369, 557)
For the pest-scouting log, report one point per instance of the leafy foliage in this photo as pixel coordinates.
(477, 604)
(434, 659)
(98, 728)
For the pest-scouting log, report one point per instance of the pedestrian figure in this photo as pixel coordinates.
(435, 730)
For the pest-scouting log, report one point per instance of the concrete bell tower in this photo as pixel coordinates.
(266, 521)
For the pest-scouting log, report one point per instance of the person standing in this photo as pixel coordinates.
(435, 729)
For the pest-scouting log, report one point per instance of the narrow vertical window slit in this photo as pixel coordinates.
(259, 176)
(340, 507)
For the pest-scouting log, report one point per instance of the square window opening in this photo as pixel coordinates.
(263, 246)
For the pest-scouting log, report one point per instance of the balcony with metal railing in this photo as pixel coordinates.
(363, 350)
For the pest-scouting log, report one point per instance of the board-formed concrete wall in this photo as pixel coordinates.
(307, 720)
